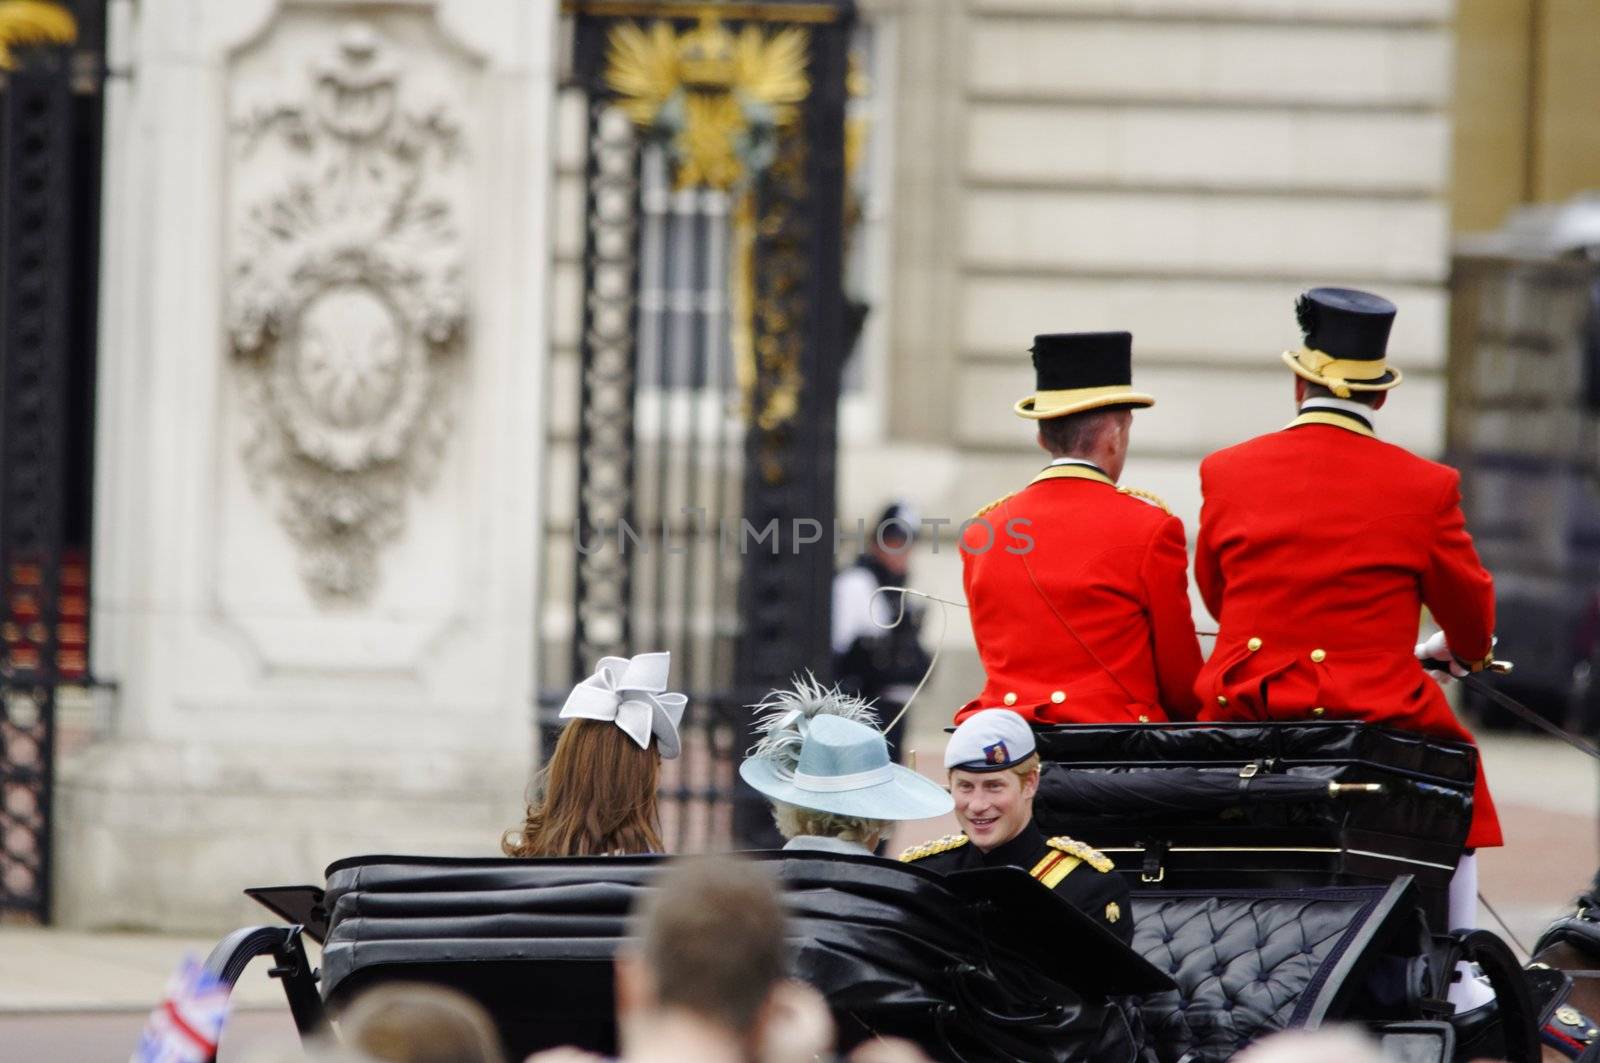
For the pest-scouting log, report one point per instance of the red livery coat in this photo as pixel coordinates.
(1112, 567)
(1318, 547)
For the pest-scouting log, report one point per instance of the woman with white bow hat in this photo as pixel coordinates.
(599, 787)
(825, 766)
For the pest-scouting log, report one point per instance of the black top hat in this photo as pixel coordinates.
(1078, 371)
(1346, 338)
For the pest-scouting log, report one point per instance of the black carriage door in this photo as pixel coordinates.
(50, 121)
(705, 372)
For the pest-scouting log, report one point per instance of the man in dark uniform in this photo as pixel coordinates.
(994, 775)
(872, 660)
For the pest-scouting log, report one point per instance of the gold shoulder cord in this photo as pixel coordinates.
(1147, 496)
(933, 848)
(1072, 847)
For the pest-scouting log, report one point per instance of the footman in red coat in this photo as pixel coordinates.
(1078, 590)
(1320, 545)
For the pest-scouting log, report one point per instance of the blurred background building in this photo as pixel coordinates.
(360, 318)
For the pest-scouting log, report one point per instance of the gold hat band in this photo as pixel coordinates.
(1060, 402)
(1341, 375)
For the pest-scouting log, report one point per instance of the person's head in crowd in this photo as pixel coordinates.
(598, 792)
(705, 958)
(887, 1050)
(893, 537)
(416, 1023)
(824, 763)
(1331, 1045)
(994, 776)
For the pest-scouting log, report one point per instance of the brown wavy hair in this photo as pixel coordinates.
(598, 797)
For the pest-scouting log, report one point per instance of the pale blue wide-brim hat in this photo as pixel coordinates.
(845, 769)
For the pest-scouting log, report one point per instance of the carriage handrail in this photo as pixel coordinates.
(285, 944)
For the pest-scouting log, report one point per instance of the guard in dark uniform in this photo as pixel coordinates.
(994, 775)
(873, 660)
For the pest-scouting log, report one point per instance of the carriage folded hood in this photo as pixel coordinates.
(579, 906)
(988, 960)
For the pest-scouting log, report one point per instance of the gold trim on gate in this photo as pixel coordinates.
(28, 22)
(722, 102)
(774, 358)
(717, 98)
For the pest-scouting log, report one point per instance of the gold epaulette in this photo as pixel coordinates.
(1148, 496)
(1072, 847)
(990, 506)
(935, 847)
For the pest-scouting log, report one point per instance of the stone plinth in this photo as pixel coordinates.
(166, 835)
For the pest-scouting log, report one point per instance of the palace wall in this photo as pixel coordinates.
(318, 444)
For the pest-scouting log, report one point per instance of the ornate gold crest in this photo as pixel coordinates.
(25, 22)
(716, 97)
(1113, 912)
(719, 101)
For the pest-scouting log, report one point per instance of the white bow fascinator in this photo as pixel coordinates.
(632, 693)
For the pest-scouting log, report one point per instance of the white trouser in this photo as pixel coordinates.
(1464, 893)
(1469, 990)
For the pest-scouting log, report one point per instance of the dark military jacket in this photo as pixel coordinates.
(1082, 876)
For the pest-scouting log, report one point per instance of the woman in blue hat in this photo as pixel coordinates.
(824, 764)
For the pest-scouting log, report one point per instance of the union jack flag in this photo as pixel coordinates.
(186, 1026)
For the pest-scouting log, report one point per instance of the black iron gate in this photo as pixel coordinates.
(50, 117)
(712, 337)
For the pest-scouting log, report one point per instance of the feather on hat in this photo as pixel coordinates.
(823, 749)
(784, 716)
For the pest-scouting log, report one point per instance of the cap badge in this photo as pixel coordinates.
(995, 753)
(1113, 912)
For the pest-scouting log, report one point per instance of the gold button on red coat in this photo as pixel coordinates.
(1318, 711)
(1253, 645)
(1058, 696)
(1318, 656)
(1143, 718)
(1222, 699)
(1010, 698)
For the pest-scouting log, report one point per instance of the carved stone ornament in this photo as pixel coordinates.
(346, 307)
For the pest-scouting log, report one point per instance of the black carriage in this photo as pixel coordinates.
(1284, 876)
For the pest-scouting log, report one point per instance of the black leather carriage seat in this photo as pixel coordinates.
(1252, 962)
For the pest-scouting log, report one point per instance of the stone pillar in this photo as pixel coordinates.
(319, 417)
